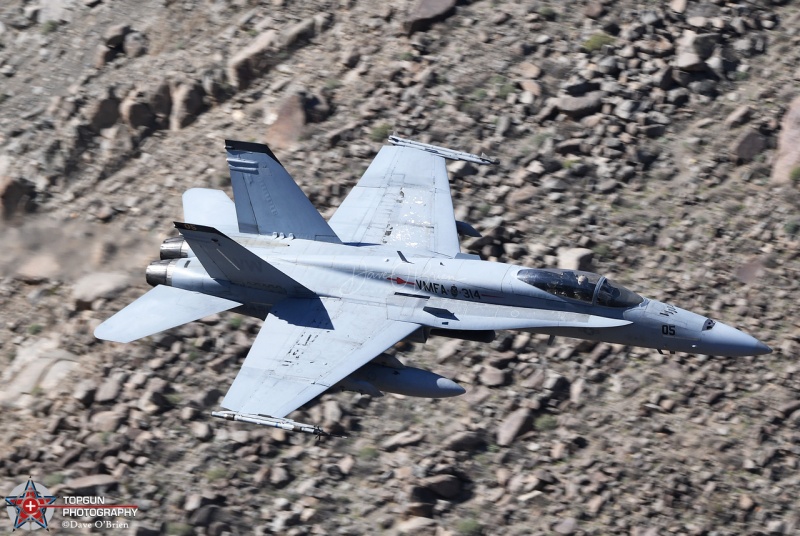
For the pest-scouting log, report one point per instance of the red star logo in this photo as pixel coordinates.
(30, 506)
(400, 281)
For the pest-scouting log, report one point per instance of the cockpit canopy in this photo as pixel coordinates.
(582, 286)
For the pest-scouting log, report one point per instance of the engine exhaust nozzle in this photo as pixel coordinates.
(160, 272)
(175, 247)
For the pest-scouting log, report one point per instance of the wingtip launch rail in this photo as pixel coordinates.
(284, 424)
(444, 152)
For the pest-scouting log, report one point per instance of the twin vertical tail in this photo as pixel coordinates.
(267, 199)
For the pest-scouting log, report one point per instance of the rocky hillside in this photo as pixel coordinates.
(655, 142)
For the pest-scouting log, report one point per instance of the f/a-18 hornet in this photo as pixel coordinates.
(386, 267)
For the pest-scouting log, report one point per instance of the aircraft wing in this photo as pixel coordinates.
(402, 200)
(305, 346)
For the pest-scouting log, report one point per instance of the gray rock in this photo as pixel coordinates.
(514, 425)
(749, 144)
(463, 441)
(703, 44)
(106, 421)
(678, 6)
(575, 258)
(529, 70)
(577, 107)
(187, 102)
(566, 526)
(91, 485)
(103, 112)
(350, 57)
(594, 10)
(289, 126)
(776, 526)
(114, 36)
(494, 377)
(103, 55)
(332, 412)
(39, 268)
(202, 430)
(84, 392)
(215, 84)
(109, 391)
(654, 131)
(446, 486)
(689, 61)
(98, 285)
(788, 408)
(153, 403)
(17, 196)
(136, 113)
(609, 66)
(279, 476)
(135, 44)
(415, 525)
(403, 439)
(427, 12)
(254, 60)
(787, 157)
(304, 30)
(160, 103)
(595, 504)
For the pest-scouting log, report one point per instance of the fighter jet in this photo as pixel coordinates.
(335, 295)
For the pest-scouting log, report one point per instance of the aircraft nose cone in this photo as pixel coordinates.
(724, 340)
(449, 387)
(762, 348)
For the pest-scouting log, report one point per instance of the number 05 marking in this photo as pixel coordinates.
(668, 329)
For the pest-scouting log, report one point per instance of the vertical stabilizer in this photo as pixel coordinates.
(267, 198)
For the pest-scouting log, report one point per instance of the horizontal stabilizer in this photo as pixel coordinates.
(225, 259)
(267, 198)
(209, 207)
(161, 308)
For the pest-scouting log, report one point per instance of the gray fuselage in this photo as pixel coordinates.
(461, 294)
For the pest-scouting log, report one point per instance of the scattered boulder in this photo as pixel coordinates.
(516, 424)
(91, 485)
(288, 128)
(187, 102)
(445, 486)
(749, 144)
(114, 36)
(103, 112)
(463, 441)
(402, 439)
(135, 44)
(254, 60)
(160, 103)
(575, 259)
(17, 196)
(578, 107)
(566, 526)
(304, 30)
(136, 112)
(427, 12)
(94, 286)
(39, 267)
(787, 159)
